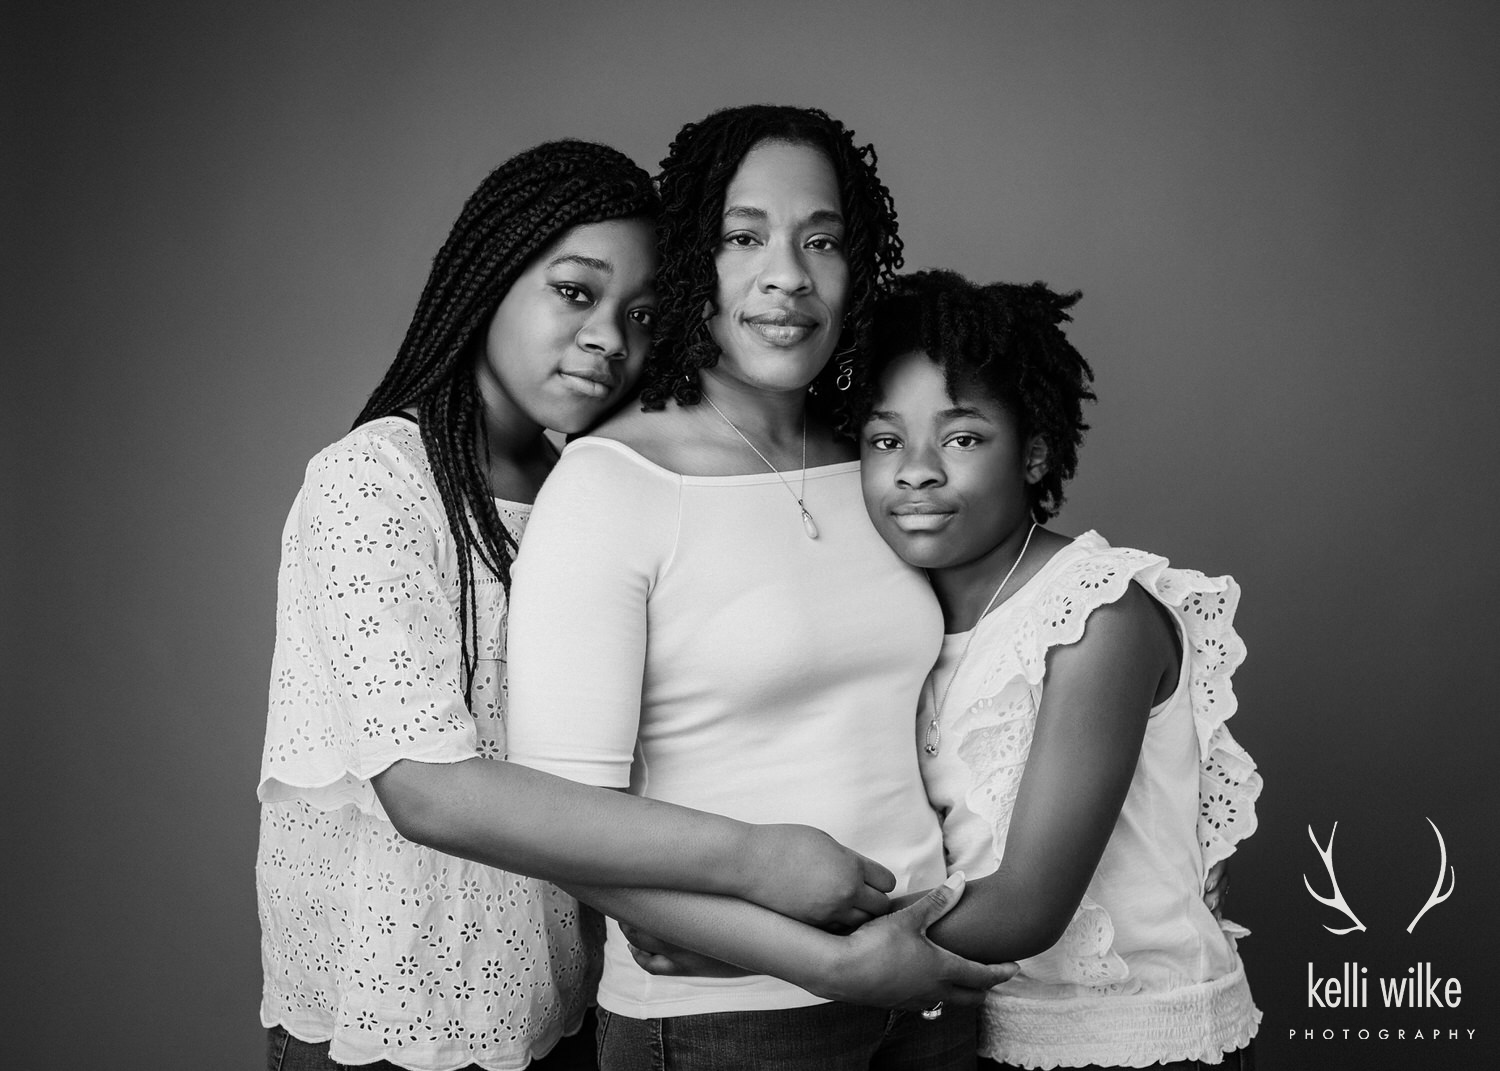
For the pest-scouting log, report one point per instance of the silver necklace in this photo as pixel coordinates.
(934, 727)
(808, 525)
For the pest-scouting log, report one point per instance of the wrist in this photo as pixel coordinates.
(741, 867)
(827, 968)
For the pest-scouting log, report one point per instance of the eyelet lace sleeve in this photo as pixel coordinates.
(366, 667)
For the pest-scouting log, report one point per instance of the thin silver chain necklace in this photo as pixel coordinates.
(935, 726)
(808, 525)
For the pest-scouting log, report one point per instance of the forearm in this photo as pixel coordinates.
(1001, 919)
(727, 929)
(528, 822)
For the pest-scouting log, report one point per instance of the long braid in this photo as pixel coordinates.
(694, 178)
(518, 210)
(1004, 338)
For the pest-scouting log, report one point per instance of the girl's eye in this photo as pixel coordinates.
(740, 239)
(572, 293)
(964, 441)
(645, 317)
(884, 442)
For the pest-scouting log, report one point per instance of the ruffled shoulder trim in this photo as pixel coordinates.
(1085, 576)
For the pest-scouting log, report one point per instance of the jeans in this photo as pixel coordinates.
(824, 1037)
(287, 1053)
(1238, 1060)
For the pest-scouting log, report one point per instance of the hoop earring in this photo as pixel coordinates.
(846, 373)
(845, 378)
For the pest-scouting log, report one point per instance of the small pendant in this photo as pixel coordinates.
(807, 524)
(934, 733)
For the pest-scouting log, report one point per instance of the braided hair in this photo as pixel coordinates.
(1006, 340)
(694, 179)
(517, 212)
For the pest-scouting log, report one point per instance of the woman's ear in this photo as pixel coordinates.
(1036, 459)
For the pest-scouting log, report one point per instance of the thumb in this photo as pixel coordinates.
(939, 901)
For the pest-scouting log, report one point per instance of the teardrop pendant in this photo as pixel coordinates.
(807, 524)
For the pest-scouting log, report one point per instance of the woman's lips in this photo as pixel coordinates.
(782, 327)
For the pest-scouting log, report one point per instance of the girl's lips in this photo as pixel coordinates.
(926, 519)
(589, 384)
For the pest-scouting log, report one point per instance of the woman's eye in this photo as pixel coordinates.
(572, 293)
(645, 317)
(824, 243)
(740, 239)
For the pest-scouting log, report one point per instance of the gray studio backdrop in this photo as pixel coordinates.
(1285, 221)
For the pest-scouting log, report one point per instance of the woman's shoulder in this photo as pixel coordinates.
(669, 438)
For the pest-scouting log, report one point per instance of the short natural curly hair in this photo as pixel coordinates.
(1006, 340)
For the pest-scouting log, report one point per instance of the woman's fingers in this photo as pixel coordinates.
(648, 943)
(938, 902)
(653, 964)
(878, 878)
(871, 901)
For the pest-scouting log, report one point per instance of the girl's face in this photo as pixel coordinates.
(783, 282)
(569, 338)
(944, 478)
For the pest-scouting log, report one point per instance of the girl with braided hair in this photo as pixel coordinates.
(386, 941)
(1073, 731)
(703, 614)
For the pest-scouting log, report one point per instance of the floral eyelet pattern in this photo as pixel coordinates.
(390, 949)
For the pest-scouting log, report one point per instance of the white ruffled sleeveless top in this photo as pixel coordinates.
(1144, 973)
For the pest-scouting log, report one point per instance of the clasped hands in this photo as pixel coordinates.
(879, 953)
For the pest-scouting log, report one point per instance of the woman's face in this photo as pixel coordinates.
(569, 338)
(944, 478)
(783, 282)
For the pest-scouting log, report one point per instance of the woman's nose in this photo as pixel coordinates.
(783, 269)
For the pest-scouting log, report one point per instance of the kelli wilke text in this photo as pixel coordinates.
(1420, 988)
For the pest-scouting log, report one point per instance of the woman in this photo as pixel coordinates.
(383, 938)
(703, 613)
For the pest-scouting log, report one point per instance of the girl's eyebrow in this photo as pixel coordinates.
(959, 412)
(586, 261)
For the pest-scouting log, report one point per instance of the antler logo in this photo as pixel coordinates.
(1337, 899)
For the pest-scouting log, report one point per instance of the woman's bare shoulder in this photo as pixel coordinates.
(669, 437)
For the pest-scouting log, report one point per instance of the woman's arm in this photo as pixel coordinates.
(887, 963)
(529, 822)
(1096, 699)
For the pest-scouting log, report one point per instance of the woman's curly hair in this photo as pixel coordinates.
(1004, 339)
(694, 178)
(518, 211)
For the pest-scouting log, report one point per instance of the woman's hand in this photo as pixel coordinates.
(890, 963)
(805, 874)
(656, 956)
